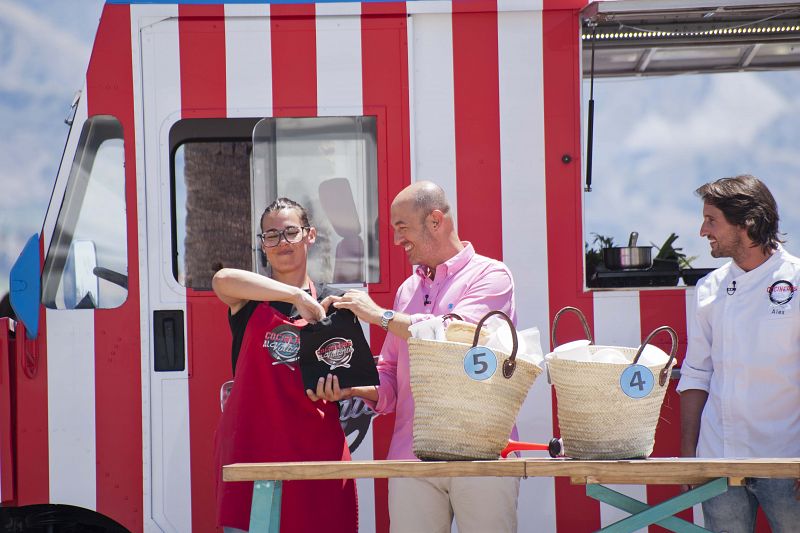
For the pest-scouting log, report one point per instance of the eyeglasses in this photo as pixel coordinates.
(292, 234)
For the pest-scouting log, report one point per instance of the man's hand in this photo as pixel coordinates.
(360, 304)
(308, 307)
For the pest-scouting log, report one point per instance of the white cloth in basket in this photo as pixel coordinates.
(429, 330)
(528, 340)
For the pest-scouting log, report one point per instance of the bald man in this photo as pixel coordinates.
(449, 278)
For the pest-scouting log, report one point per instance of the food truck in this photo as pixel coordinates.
(195, 115)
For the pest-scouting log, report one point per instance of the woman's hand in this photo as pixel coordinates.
(328, 300)
(328, 389)
(308, 307)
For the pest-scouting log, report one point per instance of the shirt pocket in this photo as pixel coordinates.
(779, 333)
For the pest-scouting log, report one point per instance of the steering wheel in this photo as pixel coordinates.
(112, 276)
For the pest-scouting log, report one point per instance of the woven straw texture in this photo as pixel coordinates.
(456, 417)
(598, 420)
(460, 331)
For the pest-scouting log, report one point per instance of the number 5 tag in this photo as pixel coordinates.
(480, 363)
(637, 381)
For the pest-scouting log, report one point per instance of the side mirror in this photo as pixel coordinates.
(25, 286)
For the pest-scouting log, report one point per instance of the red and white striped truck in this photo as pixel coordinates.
(193, 117)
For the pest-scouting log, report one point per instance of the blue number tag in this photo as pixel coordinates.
(480, 363)
(637, 381)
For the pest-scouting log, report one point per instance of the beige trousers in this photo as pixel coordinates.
(480, 504)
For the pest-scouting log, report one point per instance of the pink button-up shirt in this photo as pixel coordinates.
(467, 284)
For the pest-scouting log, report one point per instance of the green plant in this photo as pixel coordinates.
(594, 255)
(668, 252)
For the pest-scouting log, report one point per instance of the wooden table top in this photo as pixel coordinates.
(654, 471)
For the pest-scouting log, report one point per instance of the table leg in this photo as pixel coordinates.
(662, 514)
(265, 511)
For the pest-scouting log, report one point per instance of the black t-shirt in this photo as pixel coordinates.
(239, 321)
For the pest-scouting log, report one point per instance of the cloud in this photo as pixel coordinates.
(729, 116)
(39, 55)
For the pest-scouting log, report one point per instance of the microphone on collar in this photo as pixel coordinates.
(731, 289)
(426, 302)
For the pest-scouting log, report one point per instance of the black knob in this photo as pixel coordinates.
(555, 448)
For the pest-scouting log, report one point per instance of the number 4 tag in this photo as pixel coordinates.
(637, 381)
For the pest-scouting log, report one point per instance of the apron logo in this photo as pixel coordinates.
(781, 292)
(283, 344)
(336, 352)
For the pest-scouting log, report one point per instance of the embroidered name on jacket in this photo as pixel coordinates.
(336, 352)
(283, 344)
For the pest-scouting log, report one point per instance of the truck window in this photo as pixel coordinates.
(86, 266)
(211, 209)
(222, 181)
(329, 165)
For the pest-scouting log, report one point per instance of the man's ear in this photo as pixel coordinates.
(312, 235)
(436, 218)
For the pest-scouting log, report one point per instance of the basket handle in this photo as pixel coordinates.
(449, 316)
(664, 373)
(510, 364)
(583, 322)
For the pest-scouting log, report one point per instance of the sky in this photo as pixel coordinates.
(44, 51)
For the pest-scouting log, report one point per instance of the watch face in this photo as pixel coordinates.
(388, 315)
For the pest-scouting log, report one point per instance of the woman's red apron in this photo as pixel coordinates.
(269, 418)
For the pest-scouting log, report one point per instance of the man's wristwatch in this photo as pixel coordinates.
(386, 317)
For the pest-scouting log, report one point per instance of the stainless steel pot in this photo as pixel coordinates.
(628, 257)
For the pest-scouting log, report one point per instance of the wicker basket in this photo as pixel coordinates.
(462, 331)
(597, 419)
(458, 417)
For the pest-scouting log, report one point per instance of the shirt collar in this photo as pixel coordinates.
(452, 265)
(737, 271)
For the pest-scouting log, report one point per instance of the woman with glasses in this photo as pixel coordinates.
(268, 416)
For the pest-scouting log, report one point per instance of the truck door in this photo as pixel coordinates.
(212, 165)
(199, 219)
(168, 474)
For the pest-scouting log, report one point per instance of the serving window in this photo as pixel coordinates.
(682, 97)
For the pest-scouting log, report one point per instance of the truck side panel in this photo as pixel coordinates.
(7, 426)
(109, 82)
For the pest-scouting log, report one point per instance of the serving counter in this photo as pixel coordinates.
(709, 477)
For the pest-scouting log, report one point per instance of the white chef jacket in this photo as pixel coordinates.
(744, 350)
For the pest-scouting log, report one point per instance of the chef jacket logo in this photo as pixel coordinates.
(336, 352)
(781, 292)
(283, 344)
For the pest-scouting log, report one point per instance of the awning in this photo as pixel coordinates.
(663, 37)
